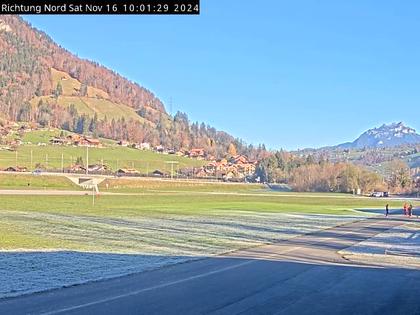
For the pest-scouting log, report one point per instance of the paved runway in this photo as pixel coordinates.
(304, 275)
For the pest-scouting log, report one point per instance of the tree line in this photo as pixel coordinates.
(316, 174)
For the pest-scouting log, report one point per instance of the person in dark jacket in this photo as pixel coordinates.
(410, 210)
(386, 210)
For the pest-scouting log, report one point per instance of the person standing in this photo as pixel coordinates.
(410, 210)
(386, 210)
(405, 208)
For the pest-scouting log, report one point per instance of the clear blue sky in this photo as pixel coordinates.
(290, 74)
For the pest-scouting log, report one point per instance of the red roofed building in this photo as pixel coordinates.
(197, 153)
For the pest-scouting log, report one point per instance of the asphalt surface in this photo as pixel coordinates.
(304, 275)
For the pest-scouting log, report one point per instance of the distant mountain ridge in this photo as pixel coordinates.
(392, 135)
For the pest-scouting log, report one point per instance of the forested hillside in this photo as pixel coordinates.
(44, 83)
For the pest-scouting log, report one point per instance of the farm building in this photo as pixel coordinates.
(128, 171)
(16, 169)
(197, 153)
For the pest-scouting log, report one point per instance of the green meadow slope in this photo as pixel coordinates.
(112, 155)
(96, 101)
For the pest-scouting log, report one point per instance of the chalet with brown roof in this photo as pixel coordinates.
(239, 159)
(128, 171)
(76, 168)
(74, 139)
(90, 142)
(238, 167)
(197, 153)
(83, 141)
(16, 169)
(203, 173)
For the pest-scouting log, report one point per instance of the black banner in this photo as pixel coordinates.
(135, 7)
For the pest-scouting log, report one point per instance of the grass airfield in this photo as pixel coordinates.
(34, 222)
(138, 225)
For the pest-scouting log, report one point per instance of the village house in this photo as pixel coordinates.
(159, 149)
(76, 168)
(15, 143)
(203, 173)
(58, 141)
(238, 167)
(143, 146)
(243, 165)
(16, 169)
(79, 140)
(73, 139)
(127, 172)
(90, 142)
(4, 131)
(197, 153)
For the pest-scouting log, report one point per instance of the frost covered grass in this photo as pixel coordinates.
(52, 241)
(77, 249)
(397, 246)
(22, 216)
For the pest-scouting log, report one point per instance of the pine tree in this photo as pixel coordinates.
(83, 90)
(58, 90)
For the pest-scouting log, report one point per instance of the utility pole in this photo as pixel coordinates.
(31, 160)
(16, 158)
(172, 167)
(87, 160)
(62, 162)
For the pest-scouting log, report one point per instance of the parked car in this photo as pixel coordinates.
(380, 194)
(37, 172)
